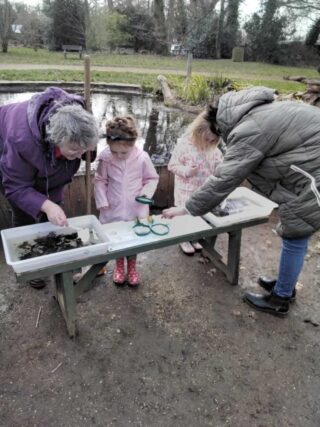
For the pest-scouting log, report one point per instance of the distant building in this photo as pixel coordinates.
(178, 49)
(17, 28)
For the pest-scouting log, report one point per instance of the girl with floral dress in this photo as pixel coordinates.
(193, 160)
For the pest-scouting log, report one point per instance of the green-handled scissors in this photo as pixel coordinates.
(158, 228)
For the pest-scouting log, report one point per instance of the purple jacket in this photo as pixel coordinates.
(30, 171)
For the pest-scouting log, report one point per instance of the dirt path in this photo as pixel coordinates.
(182, 351)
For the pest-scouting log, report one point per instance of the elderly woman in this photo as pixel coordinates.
(264, 139)
(42, 142)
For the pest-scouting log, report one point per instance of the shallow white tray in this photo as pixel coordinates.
(256, 207)
(121, 234)
(13, 237)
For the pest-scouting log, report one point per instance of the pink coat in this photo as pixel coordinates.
(117, 183)
(184, 156)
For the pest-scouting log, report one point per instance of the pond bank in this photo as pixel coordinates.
(19, 86)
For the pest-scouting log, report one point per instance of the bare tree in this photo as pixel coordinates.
(7, 18)
(302, 6)
(220, 30)
(160, 26)
(231, 34)
(313, 34)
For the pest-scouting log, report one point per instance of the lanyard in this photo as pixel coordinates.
(143, 229)
(312, 179)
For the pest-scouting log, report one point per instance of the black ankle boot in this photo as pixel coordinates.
(37, 283)
(268, 284)
(270, 303)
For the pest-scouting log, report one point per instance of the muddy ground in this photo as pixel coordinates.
(183, 350)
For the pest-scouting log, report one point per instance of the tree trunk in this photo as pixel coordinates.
(220, 30)
(150, 145)
(4, 46)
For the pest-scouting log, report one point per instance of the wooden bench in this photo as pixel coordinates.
(71, 48)
(67, 292)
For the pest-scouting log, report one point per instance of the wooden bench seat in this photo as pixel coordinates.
(72, 48)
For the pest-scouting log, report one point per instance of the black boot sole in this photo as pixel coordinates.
(119, 285)
(133, 286)
(266, 310)
(38, 285)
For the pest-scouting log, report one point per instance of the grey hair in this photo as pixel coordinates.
(72, 124)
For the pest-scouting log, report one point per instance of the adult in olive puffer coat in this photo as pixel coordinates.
(263, 139)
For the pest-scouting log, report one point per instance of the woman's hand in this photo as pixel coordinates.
(54, 213)
(172, 212)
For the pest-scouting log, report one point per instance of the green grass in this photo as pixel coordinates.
(284, 86)
(250, 73)
(147, 81)
(224, 66)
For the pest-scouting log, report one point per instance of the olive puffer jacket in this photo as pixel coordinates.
(264, 138)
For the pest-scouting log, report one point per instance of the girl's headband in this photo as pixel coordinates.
(117, 137)
(120, 138)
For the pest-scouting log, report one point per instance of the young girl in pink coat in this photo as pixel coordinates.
(193, 160)
(124, 172)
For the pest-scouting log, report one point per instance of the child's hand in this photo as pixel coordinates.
(193, 170)
(104, 208)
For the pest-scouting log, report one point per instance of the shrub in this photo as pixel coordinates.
(195, 90)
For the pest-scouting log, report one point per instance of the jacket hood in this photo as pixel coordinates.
(234, 105)
(44, 104)
(135, 154)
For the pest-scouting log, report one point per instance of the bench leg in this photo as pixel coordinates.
(233, 263)
(231, 268)
(87, 280)
(66, 300)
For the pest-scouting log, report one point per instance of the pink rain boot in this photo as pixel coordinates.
(133, 275)
(119, 275)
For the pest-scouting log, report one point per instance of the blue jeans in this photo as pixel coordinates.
(291, 263)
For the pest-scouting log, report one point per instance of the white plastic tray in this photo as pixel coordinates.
(13, 237)
(121, 235)
(256, 206)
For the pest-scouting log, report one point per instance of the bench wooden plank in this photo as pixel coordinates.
(72, 48)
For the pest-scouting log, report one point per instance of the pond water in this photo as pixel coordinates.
(159, 127)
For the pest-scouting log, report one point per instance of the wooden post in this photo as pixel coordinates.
(87, 97)
(189, 65)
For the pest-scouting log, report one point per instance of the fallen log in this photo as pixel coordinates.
(170, 100)
(310, 96)
(295, 78)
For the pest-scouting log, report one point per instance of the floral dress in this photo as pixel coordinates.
(184, 157)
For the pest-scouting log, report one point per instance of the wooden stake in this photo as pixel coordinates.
(56, 368)
(189, 65)
(37, 322)
(87, 97)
